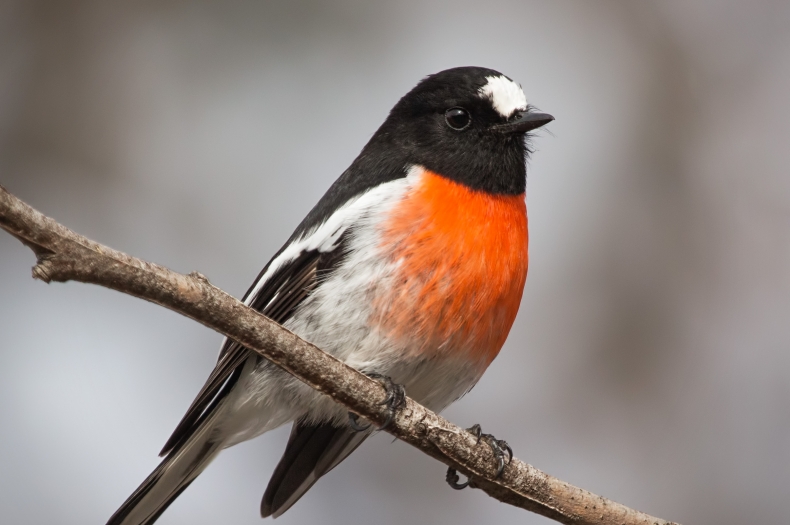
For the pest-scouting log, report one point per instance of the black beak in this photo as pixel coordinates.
(524, 121)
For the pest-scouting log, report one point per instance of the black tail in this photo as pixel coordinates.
(169, 479)
(312, 451)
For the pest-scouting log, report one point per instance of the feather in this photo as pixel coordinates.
(312, 451)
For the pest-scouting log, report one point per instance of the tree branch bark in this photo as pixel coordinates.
(63, 255)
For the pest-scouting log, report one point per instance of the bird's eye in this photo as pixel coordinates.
(457, 118)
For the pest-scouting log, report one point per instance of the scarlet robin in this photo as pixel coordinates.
(410, 269)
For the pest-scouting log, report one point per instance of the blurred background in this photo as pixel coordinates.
(649, 362)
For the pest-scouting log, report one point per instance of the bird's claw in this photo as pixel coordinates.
(353, 422)
(499, 448)
(395, 400)
(452, 479)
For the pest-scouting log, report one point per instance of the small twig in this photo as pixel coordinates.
(63, 255)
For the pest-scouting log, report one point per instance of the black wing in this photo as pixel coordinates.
(277, 299)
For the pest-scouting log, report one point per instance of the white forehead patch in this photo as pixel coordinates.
(505, 95)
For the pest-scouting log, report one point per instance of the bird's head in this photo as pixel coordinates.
(469, 124)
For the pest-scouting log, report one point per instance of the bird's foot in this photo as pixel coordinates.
(452, 479)
(353, 422)
(395, 400)
(499, 447)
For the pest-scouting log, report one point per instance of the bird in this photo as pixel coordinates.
(410, 269)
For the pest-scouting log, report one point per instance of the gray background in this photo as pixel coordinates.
(649, 361)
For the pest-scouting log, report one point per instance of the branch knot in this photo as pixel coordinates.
(43, 269)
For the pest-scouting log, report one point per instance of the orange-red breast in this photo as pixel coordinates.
(411, 267)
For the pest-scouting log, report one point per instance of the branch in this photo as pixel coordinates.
(63, 255)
